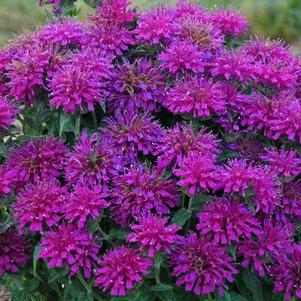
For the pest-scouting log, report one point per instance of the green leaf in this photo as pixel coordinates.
(56, 274)
(237, 297)
(145, 296)
(65, 124)
(36, 254)
(199, 200)
(227, 296)
(119, 233)
(94, 228)
(93, 3)
(243, 290)
(162, 287)
(31, 285)
(166, 295)
(232, 251)
(181, 217)
(89, 297)
(254, 284)
(69, 123)
(81, 296)
(277, 297)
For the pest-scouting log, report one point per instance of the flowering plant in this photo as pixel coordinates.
(149, 156)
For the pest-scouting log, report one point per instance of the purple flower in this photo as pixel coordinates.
(27, 73)
(290, 202)
(198, 97)
(286, 118)
(230, 21)
(248, 147)
(13, 251)
(270, 243)
(130, 134)
(120, 269)
(83, 204)
(181, 140)
(200, 269)
(285, 221)
(91, 162)
(181, 57)
(287, 274)
(266, 189)
(113, 39)
(256, 110)
(114, 12)
(156, 27)
(234, 66)
(141, 191)
(78, 84)
(6, 180)
(140, 85)
(265, 50)
(277, 115)
(42, 159)
(197, 172)
(68, 246)
(235, 176)
(286, 163)
(67, 32)
(154, 235)
(6, 56)
(277, 73)
(226, 221)
(186, 8)
(7, 113)
(207, 37)
(39, 205)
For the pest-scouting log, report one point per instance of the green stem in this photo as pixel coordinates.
(157, 275)
(190, 204)
(105, 235)
(83, 282)
(190, 210)
(87, 286)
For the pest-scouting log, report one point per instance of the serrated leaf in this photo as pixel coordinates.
(181, 217)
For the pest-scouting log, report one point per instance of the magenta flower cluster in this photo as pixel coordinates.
(165, 146)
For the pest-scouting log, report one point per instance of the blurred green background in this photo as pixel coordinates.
(273, 18)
